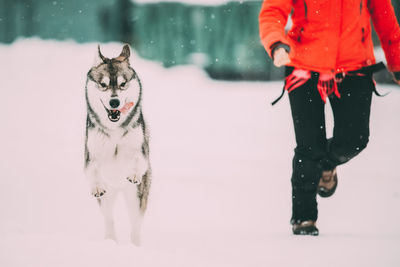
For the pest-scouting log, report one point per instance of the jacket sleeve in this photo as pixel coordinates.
(272, 20)
(385, 23)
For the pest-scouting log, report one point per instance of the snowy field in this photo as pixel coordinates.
(221, 157)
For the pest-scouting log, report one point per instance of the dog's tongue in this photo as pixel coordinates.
(126, 107)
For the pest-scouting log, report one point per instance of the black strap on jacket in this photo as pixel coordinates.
(288, 71)
(369, 70)
(279, 97)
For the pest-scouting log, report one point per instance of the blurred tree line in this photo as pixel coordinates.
(222, 39)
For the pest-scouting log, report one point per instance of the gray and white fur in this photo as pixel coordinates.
(117, 140)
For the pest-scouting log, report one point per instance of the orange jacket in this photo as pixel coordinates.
(331, 35)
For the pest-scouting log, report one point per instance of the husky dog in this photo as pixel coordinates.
(117, 141)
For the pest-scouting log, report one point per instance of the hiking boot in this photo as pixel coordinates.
(305, 228)
(328, 183)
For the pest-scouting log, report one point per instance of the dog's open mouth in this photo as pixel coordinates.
(113, 114)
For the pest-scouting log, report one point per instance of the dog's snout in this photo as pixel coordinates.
(114, 103)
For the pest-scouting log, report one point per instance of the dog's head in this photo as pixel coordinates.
(113, 88)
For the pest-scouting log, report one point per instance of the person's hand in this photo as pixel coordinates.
(281, 57)
(396, 77)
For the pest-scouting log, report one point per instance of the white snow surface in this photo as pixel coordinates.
(221, 158)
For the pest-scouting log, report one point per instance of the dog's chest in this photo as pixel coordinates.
(116, 145)
(116, 154)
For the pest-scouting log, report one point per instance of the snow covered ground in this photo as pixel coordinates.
(221, 187)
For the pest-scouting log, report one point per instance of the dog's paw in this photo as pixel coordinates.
(98, 192)
(135, 179)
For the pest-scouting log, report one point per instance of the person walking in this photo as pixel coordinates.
(328, 54)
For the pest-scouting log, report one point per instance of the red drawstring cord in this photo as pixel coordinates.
(326, 86)
(296, 79)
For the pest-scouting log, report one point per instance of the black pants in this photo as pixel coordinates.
(314, 153)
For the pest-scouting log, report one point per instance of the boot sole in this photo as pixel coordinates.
(309, 230)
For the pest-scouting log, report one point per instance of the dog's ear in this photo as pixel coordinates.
(103, 58)
(99, 58)
(126, 52)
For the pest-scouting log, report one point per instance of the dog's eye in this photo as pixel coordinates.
(123, 84)
(103, 86)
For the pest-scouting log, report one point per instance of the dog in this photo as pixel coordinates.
(117, 140)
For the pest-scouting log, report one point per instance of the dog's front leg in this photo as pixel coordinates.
(105, 201)
(98, 189)
(141, 166)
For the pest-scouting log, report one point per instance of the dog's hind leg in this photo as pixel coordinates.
(106, 204)
(135, 213)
